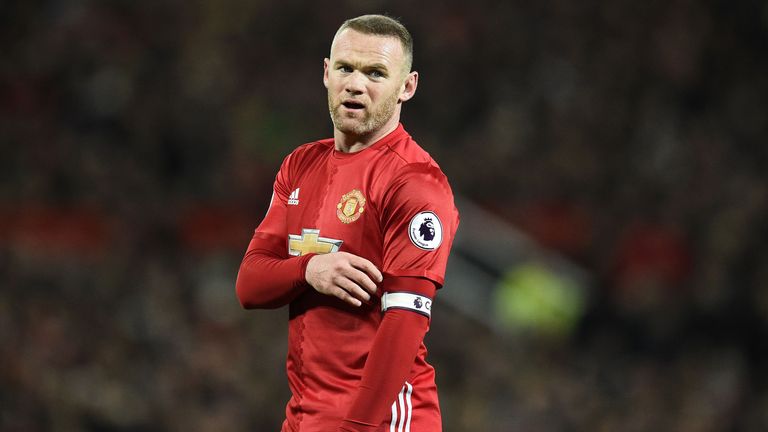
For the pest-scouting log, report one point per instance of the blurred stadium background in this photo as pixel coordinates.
(611, 270)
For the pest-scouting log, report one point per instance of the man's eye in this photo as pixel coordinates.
(345, 69)
(376, 74)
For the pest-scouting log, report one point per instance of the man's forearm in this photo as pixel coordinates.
(266, 280)
(386, 370)
(389, 361)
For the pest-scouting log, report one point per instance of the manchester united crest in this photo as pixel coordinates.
(351, 206)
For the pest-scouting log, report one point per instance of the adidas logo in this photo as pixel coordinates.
(294, 198)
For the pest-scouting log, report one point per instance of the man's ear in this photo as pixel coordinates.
(326, 62)
(409, 86)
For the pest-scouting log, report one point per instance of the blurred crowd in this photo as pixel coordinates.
(139, 141)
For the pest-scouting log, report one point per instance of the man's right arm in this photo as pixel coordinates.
(266, 280)
(269, 278)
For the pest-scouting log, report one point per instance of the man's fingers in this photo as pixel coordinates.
(347, 276)
(352, 289)
(345, 296)
(362, 279)
(367, 267)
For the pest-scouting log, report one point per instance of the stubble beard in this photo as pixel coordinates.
(371, 120)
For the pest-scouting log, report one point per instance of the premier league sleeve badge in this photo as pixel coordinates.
(426, 231)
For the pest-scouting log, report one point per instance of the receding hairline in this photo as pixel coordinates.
(381, 25)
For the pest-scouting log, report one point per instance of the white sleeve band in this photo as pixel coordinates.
(403, 300)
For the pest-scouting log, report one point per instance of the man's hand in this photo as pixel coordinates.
(343, 275)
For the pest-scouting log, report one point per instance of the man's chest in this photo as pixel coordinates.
(332, 209)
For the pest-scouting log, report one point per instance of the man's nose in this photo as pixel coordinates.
(355, 83)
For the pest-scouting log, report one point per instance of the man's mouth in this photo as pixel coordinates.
(353, 105)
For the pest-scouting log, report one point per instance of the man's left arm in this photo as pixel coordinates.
(419, 226)
(391, 357)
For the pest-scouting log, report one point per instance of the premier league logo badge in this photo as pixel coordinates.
(426, 231)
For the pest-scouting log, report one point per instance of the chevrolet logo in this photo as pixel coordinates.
(310, 242)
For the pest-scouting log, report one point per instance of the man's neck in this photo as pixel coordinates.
(347, 143)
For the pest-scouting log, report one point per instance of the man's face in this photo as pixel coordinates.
(365, 77)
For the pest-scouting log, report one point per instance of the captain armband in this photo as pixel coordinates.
(404, 300)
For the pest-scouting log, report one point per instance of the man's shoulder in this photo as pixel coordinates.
(408, 150)
(413, 159)
(308, 152)
(413, 172)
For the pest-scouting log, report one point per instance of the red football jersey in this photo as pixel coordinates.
(391, 204)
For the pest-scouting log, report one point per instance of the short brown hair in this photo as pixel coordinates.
(382, 25)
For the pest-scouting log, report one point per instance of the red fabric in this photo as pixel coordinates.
(390, 360)
(361, 203)
(416, 188)
(348, 426)
(265, 279)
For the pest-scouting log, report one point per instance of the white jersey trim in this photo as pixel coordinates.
(402, 410)
(405, 300)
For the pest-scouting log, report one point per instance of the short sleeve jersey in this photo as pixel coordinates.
(389, 203)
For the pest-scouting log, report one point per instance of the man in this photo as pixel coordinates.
(356, 242)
